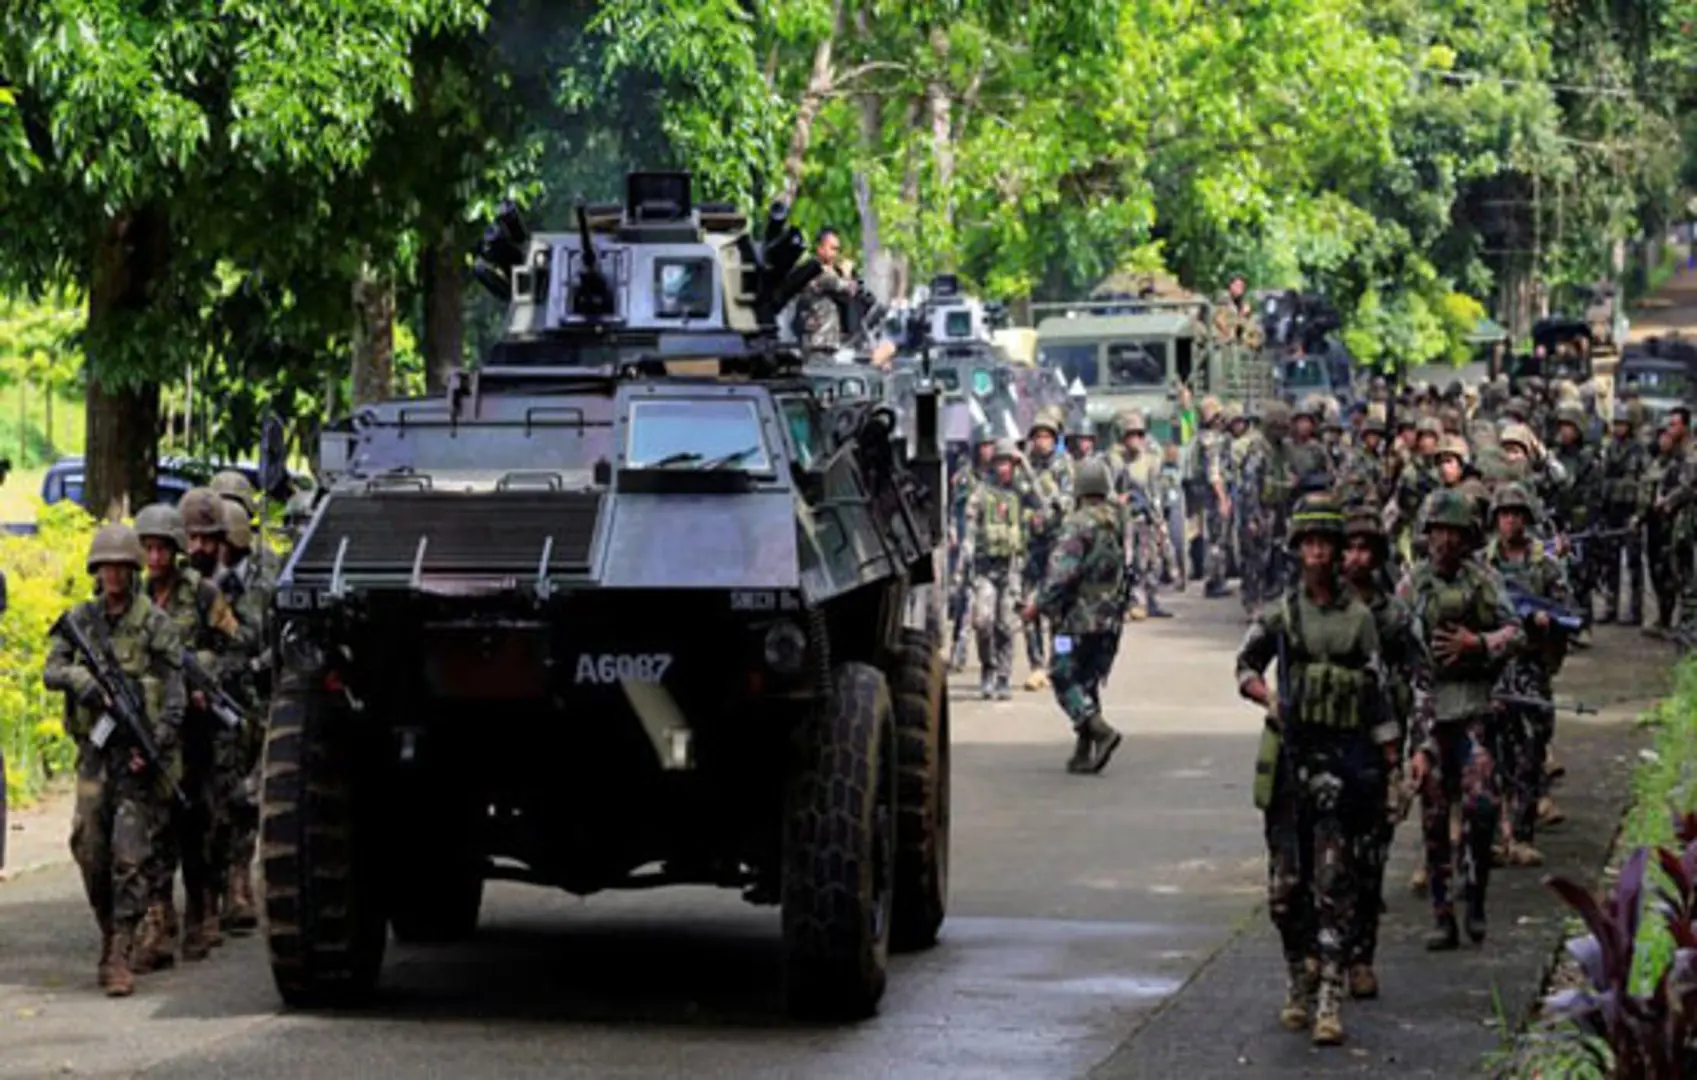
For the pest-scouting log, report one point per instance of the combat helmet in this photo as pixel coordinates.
(202, 511)
(1452, 508)
(1365, 521)
(1375, 422)
(1516, 408)
(1571, 412)
(1276, 418)
(1006, 448)
(1209, 408)
(1637, 413)
(115, 543)
(1453, 446)
(1233, 412)
(1428, 425)
(1085, 429)
(161, 521)
(1566, 391)
(982, 433)
(1518, 435)
(1311, 407)
(1511, 497)
(232, 485)
(237, 532)
(1131, 421)
(1050, 417)
(1315, 514)
(1092, 479)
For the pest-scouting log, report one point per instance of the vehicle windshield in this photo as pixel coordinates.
(548, 445)
(1073, 361)
(1137, 363)
(1306, 374)
(1657, 382)
(719, 432)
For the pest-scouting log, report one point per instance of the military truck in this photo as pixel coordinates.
(1660, 371)
(627, 606)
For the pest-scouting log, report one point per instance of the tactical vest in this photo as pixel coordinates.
(1463, 601)
(1329, 688)
(1276, 484)
(1000, 535)
(1621, 467)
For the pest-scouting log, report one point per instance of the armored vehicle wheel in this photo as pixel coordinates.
(325, 926)
(839, 851)
(920, 681)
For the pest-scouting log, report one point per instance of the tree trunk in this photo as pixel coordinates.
(442, 271)
(373, 337)
(901, 270)
(819, 83)
(942, 138)
(121, 415)
(880, 273)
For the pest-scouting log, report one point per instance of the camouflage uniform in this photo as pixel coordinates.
(1138, 486)
(1321, 771)
(1408, 674)
(1459, 742)
(1046, 488)
(1620, 468)
(1524, 732)
(993, 548)
(1269, 485)
(1573, 502)
(248, 590)
(1663, 471)
(1081, 595)
(963, 480)
(112, 830)
(198, 836)
(1211, 466)
(819, 316)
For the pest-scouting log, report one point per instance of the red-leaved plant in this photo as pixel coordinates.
(1650, 1036)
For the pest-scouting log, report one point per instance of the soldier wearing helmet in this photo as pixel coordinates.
(1523, 748)
(1320, 774)
(1046, 487)
(119, 795)
(1081, 441)
(1272, 469)
(962, 482)
(248, 591)
(197, 837)
(1140, 488)
(993, 545)
(232, 485)
(1207, 497)
(1574, 500)
(1082, 598)
(1621, 466)
(1470, 630)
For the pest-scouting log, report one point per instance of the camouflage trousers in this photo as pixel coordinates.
(244, 805)
(198, 837)
(1214, 538)
(1609, 556)
(1664, 570)
(1464, 773)
(995, 613)
(1145, 549)
(1037, 630)
(1081, 664)
(1523, 741)
(1263, 566)
(111, 837)
(1324, 816)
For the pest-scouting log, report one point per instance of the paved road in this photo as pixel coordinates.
(1078, 905)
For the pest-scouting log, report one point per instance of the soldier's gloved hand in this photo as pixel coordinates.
(137, 762)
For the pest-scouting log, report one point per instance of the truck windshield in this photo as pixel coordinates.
(1073, 361)
(1652, 382)
(1137, 363)
(1305, 375)
(697, 431)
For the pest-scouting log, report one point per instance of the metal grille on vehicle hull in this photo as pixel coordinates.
(495, 531)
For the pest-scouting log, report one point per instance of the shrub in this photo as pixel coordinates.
(45, 574)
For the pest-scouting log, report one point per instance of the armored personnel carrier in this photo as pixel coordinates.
(630, 605)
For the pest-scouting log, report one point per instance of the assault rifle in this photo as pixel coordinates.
(1579, 539)
(1528, 701)
(123, 704)
(218, 702)
(1526, 605)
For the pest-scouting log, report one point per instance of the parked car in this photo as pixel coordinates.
(64, 478)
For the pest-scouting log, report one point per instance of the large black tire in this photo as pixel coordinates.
(839, 851)
(325, 924)
(920, 681)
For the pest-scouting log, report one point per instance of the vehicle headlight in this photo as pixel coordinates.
(785, 648)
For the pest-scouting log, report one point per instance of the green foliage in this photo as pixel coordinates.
(45, 575)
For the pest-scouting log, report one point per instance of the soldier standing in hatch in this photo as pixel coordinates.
(993, 546)
(1321, 772)
(248, 591)
(1471, 631)
(118, 797)
(1137, 486)
(1408, 671)
(818, 309)
(1621, 465)
(1046, 486)
(1081, 597)
(198, 836)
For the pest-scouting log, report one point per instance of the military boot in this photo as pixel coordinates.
(1553, 769)
(1476, 914)
(195, 946)
(104, 971)
(1216, 590)
(1328, 1012)
(210, 928)
(1004, 688)
(957, 658)
(1363, 982)
(1418, 882)
(152, 950)
(240, 916)
(1445, 935)
(117, 980)
(1549, 813)
(1104, 741)
(1635, 608)
(1037, 680)
(1521, 853)
(1081, 757)
(170, 927)
(987, 684)
(1300, 980)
